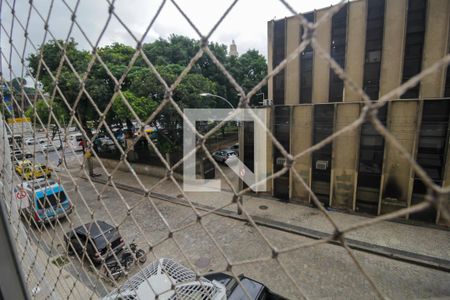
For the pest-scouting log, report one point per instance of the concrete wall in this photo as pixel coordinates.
(293, 68)
(143, 169)
(321, 72)
(356, 43)
(301, 139)
(403, 116)
(402, 123)
(393, 45)
(435, 46)
(345, 157)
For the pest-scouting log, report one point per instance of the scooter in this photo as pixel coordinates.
(129, 257)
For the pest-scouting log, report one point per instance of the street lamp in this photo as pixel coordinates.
(212, 95)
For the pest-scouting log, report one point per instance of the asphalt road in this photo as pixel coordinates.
(320, 272)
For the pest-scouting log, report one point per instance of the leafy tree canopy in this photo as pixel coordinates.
(71, 67)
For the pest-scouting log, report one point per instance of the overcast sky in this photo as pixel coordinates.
(246, 23)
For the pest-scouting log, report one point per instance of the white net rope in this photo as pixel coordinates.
(39, 246)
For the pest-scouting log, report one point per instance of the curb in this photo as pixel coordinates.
(388, 252)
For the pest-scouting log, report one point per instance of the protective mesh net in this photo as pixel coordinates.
(179, 224)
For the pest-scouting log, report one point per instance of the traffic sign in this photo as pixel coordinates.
(21, 194)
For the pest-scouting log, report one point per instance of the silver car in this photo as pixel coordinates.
(222, 155)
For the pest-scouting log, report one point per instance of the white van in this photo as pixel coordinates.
(75, 142)
(52, 145)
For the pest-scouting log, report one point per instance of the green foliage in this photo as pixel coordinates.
(18, 83)
(142, 106)
(68, 83)
(43, 111)
(140, 85)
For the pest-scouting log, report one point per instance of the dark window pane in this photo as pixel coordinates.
(306, 67)
(337, 51)
(278, 56)
(374, 45)
(431, 151)
(281, 131)
(415, 34)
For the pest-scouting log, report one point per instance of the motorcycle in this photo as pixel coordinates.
(129, 257)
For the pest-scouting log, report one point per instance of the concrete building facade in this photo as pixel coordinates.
(380, 44)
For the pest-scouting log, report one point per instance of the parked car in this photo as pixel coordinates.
(35, 144)
(29, 170)
(168, 279)
(235, 148)
(222, 155)
(45, 200)
(17, 147)
(15, 141)
(17, 155)
(93, 239)
(235, 291)
(75, 141)
(52, 145)
(104, 143)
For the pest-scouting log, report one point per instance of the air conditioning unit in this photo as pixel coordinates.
(266, 102)
(280, 161)
(166, 279)
(321, 164)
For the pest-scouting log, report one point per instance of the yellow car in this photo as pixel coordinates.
(29, 171)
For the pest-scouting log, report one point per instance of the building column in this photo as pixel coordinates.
(402, 123)
(321, 71)
(345, 157)
(393, 45)
(301, 139)
(356, 40)
(293, 67)
(435, 47)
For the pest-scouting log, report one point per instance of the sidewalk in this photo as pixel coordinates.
(415, 243)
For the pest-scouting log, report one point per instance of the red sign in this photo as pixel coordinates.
(21, 194)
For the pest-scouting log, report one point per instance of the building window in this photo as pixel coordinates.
(371, 153)
(373, 56)
(415, 35)
(306, 67)
(279, 54)
(337, 52)
(431, 152)
(249, 146)
(374, 45)
(447, 83)
(281, 131)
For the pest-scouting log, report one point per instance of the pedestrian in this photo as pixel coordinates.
(89, 162)
(82, 145)
(131, 154)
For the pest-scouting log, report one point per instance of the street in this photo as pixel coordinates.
(315, 270)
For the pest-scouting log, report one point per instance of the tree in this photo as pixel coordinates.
(18, 83)
(142, 106)
(43, 111)
(68, 83)
(141, 86)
